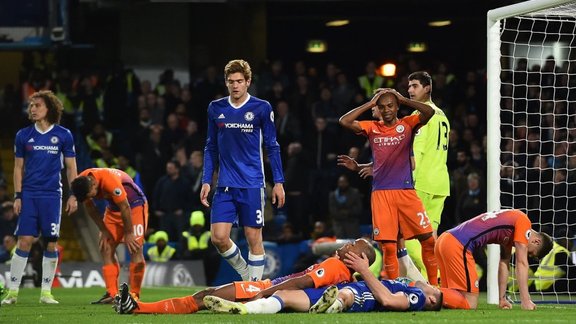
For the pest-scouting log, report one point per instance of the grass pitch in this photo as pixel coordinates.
(75, 307)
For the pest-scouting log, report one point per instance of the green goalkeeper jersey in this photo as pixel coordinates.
(431, 153)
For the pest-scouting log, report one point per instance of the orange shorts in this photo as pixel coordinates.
(113, 222)
(249, 289)
(398, 210)
(457, 269)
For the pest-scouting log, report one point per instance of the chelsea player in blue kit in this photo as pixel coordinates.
(40, 152)
(238, 126)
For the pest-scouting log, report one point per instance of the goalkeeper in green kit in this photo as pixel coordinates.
(431, 178)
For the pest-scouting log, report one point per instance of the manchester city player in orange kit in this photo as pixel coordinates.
(395, 206)
(454, 248)
(125, 221)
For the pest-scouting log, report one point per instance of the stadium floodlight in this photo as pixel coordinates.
(531, 63)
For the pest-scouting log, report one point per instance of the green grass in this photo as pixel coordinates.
(75, 307)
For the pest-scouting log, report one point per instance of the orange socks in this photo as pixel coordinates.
(454, 299)
(390, 259)
(110, 273)
(184, 305)
(136, 276)
(429, 260)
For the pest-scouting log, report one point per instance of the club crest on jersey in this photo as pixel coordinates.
(400, 129)
(376, 231)
(249, 116)
(117, 192)
(53, 139)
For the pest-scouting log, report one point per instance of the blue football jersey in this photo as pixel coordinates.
(235, 140)
(364, 300)
(43, 155)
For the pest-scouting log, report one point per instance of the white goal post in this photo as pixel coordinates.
(530, 113)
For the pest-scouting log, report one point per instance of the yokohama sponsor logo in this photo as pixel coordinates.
(45, 147)
(238, 125)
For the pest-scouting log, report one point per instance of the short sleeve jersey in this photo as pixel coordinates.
(501, 227)
(116, 186)
(43, 154)
(329, 272)
(391, 149)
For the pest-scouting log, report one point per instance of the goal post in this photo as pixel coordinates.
(531, 117)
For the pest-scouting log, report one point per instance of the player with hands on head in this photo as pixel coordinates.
(125, 221)
(40, 151)
(238, 125)
(396, 207)
(378, 295)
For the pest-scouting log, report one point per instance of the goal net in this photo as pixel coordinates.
(532, 132)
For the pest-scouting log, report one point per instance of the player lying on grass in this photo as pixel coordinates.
(364, 296)
(329, 272)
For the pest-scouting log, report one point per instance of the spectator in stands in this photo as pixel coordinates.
(193, 140)
(345, 205)
(161, 251)
(301, 100)
(296, 184)
(557, 271)
(370, 81)
(511, 180)
(157, 107)
(471, 202)
(459, 175)
(195, 244)
(152, 161)
(343, 94)
(209, 87)
(323, 148)
(170, 201)
(287, 125)
(172, 135)
(99, 138)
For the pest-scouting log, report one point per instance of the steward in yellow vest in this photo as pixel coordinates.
(553, 270)
(161, 252)
(195, 241)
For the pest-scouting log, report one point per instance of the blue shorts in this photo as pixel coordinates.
(239, 206)
(39, 215)
(363, 298)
